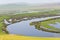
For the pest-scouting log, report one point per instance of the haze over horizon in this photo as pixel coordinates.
(29, 1)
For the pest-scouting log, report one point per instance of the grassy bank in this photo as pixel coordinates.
(46, 24)
(15, 37)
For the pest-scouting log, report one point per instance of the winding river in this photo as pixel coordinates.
(24, 28)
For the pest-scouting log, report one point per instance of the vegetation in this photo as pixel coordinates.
(46, 24)
(14, 11)
(15, 37)
(28, 15)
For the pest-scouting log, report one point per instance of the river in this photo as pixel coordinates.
(24, 28)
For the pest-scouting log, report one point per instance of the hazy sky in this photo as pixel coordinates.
(29, 1)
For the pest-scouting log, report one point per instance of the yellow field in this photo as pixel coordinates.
(14, 37)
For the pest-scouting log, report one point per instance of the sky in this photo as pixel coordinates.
(29, 1)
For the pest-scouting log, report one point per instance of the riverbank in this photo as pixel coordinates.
(21, 16)
(45, 25)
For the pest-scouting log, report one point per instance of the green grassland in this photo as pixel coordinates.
(45, 23)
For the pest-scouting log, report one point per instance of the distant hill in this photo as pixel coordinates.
(18, 7)
(27, 5)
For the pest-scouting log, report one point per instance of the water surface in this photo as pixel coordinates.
(24, 28)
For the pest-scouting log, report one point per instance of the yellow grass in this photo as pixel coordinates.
(15, 37)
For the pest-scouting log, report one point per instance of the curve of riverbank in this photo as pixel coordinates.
(41, 19)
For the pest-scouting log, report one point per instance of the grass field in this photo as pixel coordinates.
(45, 24)
(15, 37)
